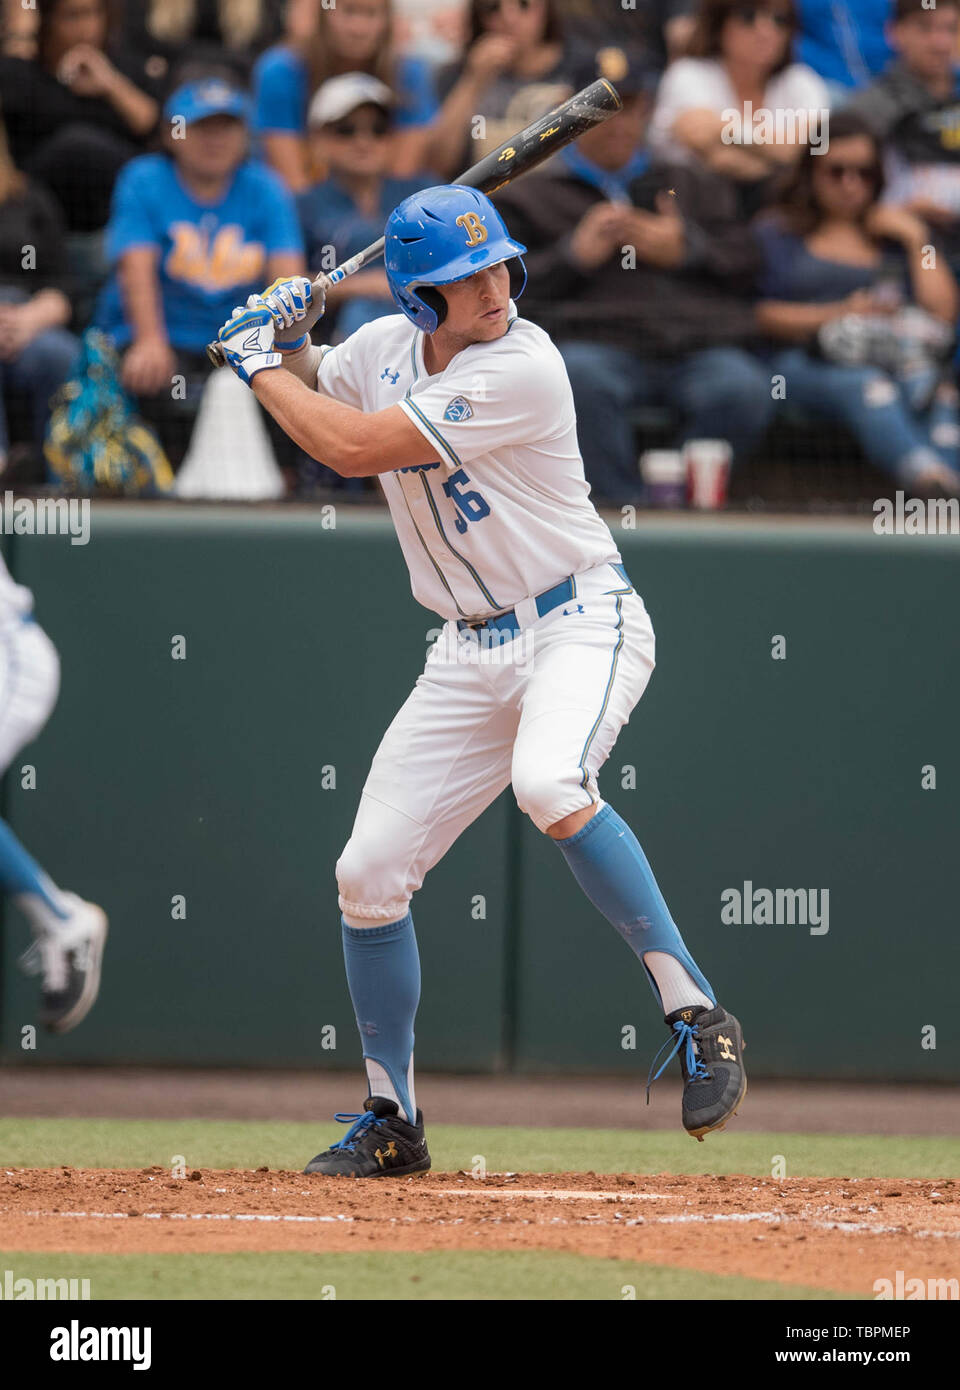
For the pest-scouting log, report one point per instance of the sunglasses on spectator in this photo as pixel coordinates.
(749, 14)
(378, 127)
(867, 173)
(485, 8)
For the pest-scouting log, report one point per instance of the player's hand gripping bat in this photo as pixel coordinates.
(524, 151)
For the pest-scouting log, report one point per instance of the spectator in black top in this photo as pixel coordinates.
(77, 111)
(225, 32)
(914, 107)
(644, 279)
(36, 351)
(515, 67)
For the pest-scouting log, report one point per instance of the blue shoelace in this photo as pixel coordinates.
(687, 1035)
(359, 1124)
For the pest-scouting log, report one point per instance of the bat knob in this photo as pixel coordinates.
(215, 354)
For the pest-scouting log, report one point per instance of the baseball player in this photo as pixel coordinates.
(465, 413)
(69, 933)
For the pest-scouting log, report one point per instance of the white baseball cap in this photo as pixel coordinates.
(338, 96)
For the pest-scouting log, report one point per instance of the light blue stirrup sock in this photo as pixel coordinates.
(611, 868)
(383, 973)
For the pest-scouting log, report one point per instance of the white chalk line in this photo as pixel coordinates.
(680, 1218)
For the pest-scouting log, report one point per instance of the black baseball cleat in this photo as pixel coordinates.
(378, 1144)
(710, 1044)
(69, 960)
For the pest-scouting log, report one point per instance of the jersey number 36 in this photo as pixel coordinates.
(470, 505)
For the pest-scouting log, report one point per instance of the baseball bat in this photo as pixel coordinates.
(518, 155)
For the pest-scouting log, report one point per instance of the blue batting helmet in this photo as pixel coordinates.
(441, 235)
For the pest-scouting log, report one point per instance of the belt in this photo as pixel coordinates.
(546, 602)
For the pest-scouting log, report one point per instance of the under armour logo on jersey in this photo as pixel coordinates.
(389, 374)
(474, 228)
(568, 612)
(458, 409)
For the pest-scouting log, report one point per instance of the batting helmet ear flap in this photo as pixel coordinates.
(434, 300)
(518, 276)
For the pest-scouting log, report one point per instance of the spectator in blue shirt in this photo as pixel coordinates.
(192, 232)
(350, 124)
(843, 40)
(352, 36)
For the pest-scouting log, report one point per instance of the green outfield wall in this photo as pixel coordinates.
(204, 799)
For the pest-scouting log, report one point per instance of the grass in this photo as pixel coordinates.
(457, 1275)
(45, 1143)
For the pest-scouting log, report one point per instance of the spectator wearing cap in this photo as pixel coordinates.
(325, 41)
(350, 122)
(516, 65)
(737, 104)
(643, 276)
(77, 110)
(192, 232)
(914, 108)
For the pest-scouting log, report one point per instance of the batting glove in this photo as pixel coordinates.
(291, 302)
(247, 342)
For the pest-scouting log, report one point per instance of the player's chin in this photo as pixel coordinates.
(492, 324)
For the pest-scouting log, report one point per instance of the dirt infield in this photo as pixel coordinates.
(824, 1233)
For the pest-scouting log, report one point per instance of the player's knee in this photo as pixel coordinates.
(543, 794)
(371, 882)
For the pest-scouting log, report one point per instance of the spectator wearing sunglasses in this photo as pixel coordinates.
(326, 40)
(516, 65)
(738, 104)
(350, 124)
(859, 312)
(914, 108)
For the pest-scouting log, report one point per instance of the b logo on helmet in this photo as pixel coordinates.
(474, 228)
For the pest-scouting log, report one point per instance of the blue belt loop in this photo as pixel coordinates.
(621, 570)
(546, 602)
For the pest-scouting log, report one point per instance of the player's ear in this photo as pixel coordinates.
(434, 300)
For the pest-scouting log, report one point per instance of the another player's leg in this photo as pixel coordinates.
(590, 671)
(444, 758)
(69, 933)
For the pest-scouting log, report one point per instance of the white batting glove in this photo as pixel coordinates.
(247, 339)
(295, 308)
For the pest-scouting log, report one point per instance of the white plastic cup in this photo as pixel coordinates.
(664, 474)
(708, 472)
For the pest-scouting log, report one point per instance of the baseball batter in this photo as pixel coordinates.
(464, 412)
(69, 933)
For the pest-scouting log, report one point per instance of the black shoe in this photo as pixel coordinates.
(69, 960)
(378, 1144)
(710, 1044)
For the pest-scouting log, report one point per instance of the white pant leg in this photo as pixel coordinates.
(590, 669)
(442, 761)
(29, 685)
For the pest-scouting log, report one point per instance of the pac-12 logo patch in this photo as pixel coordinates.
(458, 410)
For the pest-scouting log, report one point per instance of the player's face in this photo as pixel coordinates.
(522, 20)
(211, 148)
(927, 42)
(477, 307)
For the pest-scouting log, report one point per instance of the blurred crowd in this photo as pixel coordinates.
(764, 240)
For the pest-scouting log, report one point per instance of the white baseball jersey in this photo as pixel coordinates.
(504, 512)
(15, 599)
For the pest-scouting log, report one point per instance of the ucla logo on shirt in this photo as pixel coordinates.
(458, 409)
